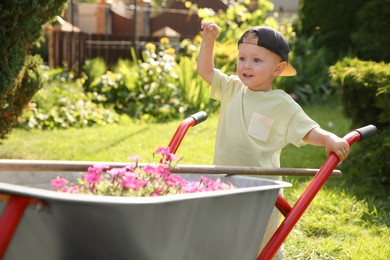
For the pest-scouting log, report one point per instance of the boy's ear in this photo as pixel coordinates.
(280, 67)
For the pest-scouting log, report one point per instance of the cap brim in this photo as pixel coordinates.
(288, 71)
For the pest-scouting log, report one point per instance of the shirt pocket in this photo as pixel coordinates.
(260, 126)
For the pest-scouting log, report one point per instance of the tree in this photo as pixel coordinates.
(21, 27)
(347, 28)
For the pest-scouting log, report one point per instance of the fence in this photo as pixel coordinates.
(72, 49)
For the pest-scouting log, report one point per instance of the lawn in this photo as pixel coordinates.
(346, 220)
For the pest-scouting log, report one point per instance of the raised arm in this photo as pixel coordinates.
(206, 54)
(320, 137)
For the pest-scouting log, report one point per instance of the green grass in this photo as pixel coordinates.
(346, 220)
(110, 143)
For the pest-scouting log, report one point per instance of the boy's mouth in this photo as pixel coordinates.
(247, 75)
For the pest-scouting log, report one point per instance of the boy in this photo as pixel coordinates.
(256, 122)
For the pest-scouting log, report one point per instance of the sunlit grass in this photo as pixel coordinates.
(111, 143)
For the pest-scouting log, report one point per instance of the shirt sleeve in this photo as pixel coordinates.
(216, 85)
(223, 85)
(299, 126)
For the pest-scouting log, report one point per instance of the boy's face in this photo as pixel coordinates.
(257, 67)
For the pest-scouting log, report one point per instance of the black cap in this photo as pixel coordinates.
(274, 41)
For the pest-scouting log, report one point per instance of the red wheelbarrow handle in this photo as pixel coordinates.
(183, 127)
(292, 214)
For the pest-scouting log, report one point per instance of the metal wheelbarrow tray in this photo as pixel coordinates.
(227, 224)
(210, 225)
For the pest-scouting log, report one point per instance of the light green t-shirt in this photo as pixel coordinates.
(254, 126)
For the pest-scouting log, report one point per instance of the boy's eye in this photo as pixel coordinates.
(257, 60)
(242, 59)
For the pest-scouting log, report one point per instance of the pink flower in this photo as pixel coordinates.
(58, 182)
(149, 169)
(93, 175)
(73, 189)
(163, 150)
(131, 175)
(132, 183)
(135, 158)
(131, 167)
(190, 187)
(172, 157)
(162, 170)
(210, 184)
(157, 192)
(100, 167)
(116, 172)
(151, 180)
(166, 153)
(174, 180)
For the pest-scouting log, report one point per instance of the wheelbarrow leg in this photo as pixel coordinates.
(298, 209)
(294, 213)
(10, 220)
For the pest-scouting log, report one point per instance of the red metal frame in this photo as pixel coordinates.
(180, 133)
(292, 214)
(10, 218)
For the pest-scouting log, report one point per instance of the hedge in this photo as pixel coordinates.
(365, 95)
(21, 26)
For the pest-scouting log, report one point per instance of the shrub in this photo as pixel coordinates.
(93, 69)
(330, 21)
(63, 104)
(22, 23)
(158, 94)
(160, 87)
(347, 28)
(114, 89)
(364, 87)
(17, 97)
(369, 162)
(144, 90)
(369, 38)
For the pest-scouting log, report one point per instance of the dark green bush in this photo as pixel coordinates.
(371, 38)
(331, 22)
(364, 87)
(21, 26)
(369, 161)
(15, 99)
(348, 28)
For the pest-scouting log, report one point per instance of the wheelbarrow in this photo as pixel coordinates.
(38, 223)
